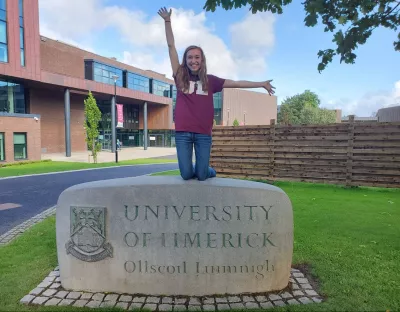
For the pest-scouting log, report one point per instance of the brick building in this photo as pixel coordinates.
(43, 84)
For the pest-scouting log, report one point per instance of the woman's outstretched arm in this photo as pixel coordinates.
(173, 54)
(250, 84)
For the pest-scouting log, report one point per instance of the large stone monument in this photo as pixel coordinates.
(165, 236)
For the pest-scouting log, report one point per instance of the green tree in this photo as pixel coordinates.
(326, 116)
(236, 122)
(291, 108)
(351, 22)
(304, 109)
(315, 115)
(92, 119)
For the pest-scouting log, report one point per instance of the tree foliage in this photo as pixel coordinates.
(92, 119)
(236, 122)
(351, 21)
(292, 107)
(304, 109)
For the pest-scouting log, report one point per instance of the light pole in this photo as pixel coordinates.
(244, 117)
(113, 120)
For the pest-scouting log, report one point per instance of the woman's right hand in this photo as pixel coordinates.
(165, 14)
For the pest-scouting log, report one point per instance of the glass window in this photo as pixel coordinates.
(3, 4)
(138, 82)
(3, 53)
(21, 32)
(217, 100)
(106, 80)
(161, 88)
(98, 71)
(104, 73)
(3, 97)
(22, 57)
(21, 37)
(21, 8)
(2, 147)
(131, 117)
(174, 92)
(217, 107)
(20, 146)
(12, 98)
(3, 32)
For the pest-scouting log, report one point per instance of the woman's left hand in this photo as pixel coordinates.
(267, 86)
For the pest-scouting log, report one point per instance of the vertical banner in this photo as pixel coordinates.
(120, 115)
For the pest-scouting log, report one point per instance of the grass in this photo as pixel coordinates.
(167, 173)
(57, 166)
(24, 263)
(348, 238)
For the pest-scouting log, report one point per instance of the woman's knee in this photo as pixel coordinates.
(186, 175)
(202, 176)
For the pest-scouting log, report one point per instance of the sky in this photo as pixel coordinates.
(238, 45)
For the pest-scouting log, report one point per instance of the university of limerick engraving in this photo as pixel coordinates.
(246, 214)
(238, 237)
(197, 213)
(88, 234)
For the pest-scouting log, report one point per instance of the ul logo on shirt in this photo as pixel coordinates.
(197, 88)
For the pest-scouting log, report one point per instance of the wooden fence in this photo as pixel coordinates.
(352, 154)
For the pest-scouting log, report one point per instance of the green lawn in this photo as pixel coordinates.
(56, 166)
(349, 238)
(167, 173)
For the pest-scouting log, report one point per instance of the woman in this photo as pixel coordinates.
(194, 110)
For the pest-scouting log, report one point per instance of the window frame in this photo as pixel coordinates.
(159, 87)
(26, 145)
(3, 146)
(21, 29)
(19, 93)
(106, 72)
(138, 82)
(3, 20)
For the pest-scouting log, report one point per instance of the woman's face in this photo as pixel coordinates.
(193, 60)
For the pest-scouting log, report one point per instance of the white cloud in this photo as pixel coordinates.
(73, 19)
(251, 38)
(367, 104)
(70, 21)
(46, 31)
(148, 61)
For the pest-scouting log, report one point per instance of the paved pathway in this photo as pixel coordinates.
(128, 153)
(24, 197)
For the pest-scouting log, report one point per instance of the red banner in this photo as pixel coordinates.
(120, 116)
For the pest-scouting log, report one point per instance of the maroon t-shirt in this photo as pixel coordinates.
(194, 111)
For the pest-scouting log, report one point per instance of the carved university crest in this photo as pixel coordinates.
(88, 234)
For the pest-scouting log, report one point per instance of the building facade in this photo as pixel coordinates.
(44, 82)
(389, 114)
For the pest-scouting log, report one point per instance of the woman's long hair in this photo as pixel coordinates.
(182, 75)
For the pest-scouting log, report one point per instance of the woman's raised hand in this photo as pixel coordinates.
(163, 12)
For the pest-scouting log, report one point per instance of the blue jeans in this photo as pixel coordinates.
(185, 141)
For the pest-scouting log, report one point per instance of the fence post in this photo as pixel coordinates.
(349, 167)
(272, 153)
